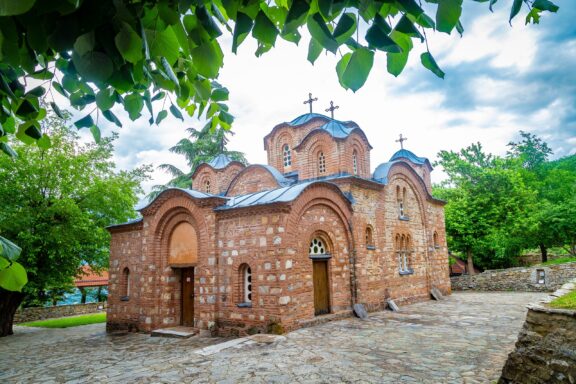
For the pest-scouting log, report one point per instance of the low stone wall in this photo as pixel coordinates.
(546, 347)
(526, 279)
(40, 313)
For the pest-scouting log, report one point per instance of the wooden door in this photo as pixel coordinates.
(321, 291)
(188, 297)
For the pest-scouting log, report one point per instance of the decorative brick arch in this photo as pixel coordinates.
(252, 174)
(402, 171)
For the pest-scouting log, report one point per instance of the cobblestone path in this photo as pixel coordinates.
(464, 339)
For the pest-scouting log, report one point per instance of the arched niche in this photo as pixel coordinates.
(183, 246)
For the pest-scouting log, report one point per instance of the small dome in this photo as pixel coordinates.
(406, 154)
(220, 161)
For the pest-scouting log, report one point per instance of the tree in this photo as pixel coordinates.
(99, 53)
(488, 207)
(201, 146)
(56, 204)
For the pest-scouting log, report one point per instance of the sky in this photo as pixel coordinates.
(500, 79)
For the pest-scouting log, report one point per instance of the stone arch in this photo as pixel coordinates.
(355, 144)
(410, 179)
(253, 178)
(183, 245)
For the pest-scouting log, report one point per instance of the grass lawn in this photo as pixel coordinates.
(66, 322)
(567, 301)
(559, 261)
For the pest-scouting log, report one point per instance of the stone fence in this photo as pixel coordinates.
(40, 313)
(528, 279)
(546, 347)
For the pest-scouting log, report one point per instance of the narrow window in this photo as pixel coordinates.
(541, 276)
(207, 186)
(321, 163)
(398, 244)
(436, 243)
(125, 285)
(406, 254)
(355, 162)
(247, 277)
(287, 155)
(369, 237)
(317, 247)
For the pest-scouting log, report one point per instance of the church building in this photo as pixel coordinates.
(285, 245)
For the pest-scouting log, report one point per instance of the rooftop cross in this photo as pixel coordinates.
(310, 101)
(401, 140)
(332, 108)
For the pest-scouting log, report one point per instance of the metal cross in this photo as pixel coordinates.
(310, 101)
(401, 140)
(332, 108)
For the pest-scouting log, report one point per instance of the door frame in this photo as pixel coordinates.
(183, 271)
(325, 259)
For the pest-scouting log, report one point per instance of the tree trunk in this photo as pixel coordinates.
(544, 252)
(9, 303)
(83, 293)
(470, 263)
(99, 294)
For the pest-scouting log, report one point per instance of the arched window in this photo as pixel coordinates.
(317, 247)
(403, 253)
(321, 163)
(369, 237)
(246, 283)
(401, 197)
(287, 155)
(355, 162)
(207, 186)
(125, 284)
(436, 242)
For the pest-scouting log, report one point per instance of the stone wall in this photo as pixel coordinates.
(526, 279)
(40, 313)
(546, 347)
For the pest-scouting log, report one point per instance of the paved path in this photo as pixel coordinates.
(464, 339)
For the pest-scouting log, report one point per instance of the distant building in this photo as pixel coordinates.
(309, 234)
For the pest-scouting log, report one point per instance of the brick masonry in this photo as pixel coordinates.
(273, 241)
(40, 313)
(526, 279)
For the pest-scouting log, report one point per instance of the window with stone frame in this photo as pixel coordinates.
(245, 277)
(207, 186)
(355, 162)
(436, 241)
(321, 163)
(317, 247)
(401, 198)
(286, 155)
(125, 284)
(403, 244)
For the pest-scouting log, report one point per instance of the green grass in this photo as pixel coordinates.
(66, 322)
(567, 301)
(562, 260)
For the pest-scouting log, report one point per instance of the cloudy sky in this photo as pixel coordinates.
(499, 80)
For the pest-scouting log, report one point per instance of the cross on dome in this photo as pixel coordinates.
(310, 101)
(332, 108)
(401, 140)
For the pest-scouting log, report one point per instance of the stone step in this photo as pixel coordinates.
(178, 332)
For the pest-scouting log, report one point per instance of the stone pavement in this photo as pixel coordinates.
(464, 339)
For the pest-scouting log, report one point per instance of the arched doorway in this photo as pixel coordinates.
(319, 254)
(183, 254)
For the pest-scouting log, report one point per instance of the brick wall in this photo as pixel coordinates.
(517, 279)
(252, 179)
(218, 179)
(40, 313)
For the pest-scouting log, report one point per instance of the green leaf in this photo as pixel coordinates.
(207, 22)
(296, 16)
(411, 7)
(93, 66)
(9, 250)
(84, 122)
(293, 37)
(353, 69)
(9, 125)
(44, 142)
(163, 43)
(321, 33)
(14, 277)
(129, 44)
(345, 28)
(429, 63)
(84, 43)
(264, 30)
(533, 16)
(95, 133)
(220, 94)
(7, 149)
(158, 96)
(380, 40)
(105, 99)
(56, 110)
(36, 92)
(133, 104)
(15, 7)
(112, 118)
(161, 116)
(395, 62)
(169, 72)
(208, 59)
(545, 5)
(176, 112)
(314, 50)
(448, 14)
(241, 30)
(59, 89)
(405, 26)
(516, 5)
